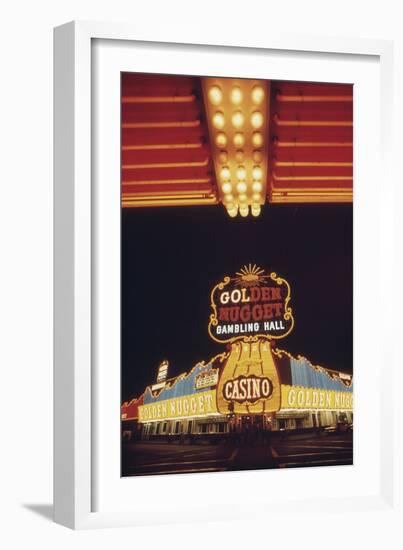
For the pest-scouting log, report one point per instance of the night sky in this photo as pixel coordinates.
(172, 257)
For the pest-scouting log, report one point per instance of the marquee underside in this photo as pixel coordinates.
(167, 154)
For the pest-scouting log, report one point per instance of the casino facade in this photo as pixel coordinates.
(277, 393)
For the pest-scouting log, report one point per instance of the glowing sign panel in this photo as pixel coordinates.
(295, 397)
(247, 389)
(200, 404)
(249, 381)
(162, 372)
(206, 379)
(251, 304)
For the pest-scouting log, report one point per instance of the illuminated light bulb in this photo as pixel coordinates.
(257, 173)
(232, 212)
(257, 139)
(257, 186)
(215, 95)
(239, 140)
(236, 95)
(244, 210)
(257, 95)
(228, 198)
(238, 119)
(223, 157)
(243, 198)
(239, 156)
(257, 156)
(218, 120)
(226, 187)
(221, 139)
(256, 119)
(241, 187)
(256, 197)
(225, 173)
(229, 205)
(241, 173)
(255, 210)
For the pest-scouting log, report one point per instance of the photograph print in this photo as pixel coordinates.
(236, 274)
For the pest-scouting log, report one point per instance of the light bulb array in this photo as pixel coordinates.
(237, 112)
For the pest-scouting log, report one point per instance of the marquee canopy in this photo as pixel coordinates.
(168, 144)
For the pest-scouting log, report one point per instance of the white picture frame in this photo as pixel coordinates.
(87, 491)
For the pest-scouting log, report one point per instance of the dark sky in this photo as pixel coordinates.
(172, 257)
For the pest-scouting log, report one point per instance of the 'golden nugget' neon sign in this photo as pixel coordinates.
(252, 304)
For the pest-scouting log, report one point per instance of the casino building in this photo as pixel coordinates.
(187, 407)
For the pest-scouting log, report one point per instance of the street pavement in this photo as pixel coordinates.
(145, 457)
(325, 450)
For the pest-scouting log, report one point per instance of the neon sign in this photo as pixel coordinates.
(247, 389)
(249, 382)
(249, 306)
(162, 374)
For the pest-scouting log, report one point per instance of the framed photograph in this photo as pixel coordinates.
(223, 254)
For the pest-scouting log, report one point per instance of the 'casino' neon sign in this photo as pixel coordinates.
(247, 389)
